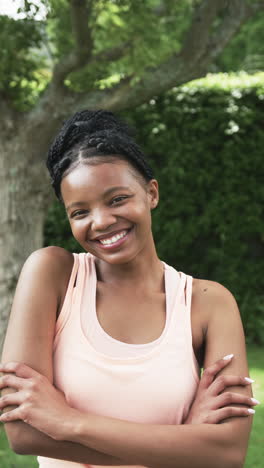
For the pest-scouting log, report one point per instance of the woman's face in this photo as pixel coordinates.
(109, 207)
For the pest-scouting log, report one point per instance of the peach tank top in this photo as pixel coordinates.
(151, 383)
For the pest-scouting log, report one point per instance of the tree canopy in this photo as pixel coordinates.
(121, 45)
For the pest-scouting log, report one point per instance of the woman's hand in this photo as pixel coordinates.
(210, 405)
(37, 401)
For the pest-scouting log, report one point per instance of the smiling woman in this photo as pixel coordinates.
(102, 358)
(108, 208)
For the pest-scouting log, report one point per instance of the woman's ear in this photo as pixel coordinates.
(153, 193)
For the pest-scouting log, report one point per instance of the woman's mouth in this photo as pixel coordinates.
(114, 240)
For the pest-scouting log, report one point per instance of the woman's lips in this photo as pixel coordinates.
(114, 241)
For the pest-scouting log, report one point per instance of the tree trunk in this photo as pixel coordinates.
(22, 211)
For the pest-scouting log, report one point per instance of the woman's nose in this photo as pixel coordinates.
(101, 219)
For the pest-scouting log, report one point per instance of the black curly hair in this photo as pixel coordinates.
(93, 133)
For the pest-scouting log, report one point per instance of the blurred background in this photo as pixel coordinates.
(189, 78)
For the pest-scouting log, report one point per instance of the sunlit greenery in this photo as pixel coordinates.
(151, 31)
(255, 455)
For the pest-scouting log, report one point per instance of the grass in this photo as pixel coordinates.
(12, 460)
(255, 454)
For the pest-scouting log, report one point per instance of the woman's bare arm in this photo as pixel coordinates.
(29, 339)
(225, 335)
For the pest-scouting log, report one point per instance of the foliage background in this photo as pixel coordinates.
(205, 141)
(150, 32)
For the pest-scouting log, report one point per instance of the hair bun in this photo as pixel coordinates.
(95, 121)
(98, 129)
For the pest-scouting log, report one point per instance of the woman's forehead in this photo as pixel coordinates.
(98, 177)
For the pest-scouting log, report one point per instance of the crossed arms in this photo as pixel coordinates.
(55, 430)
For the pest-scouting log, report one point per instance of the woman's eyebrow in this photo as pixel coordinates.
(113, 189)
(105, 194)
(72, 205)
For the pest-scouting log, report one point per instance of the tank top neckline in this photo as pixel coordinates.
(172, 277)
(113, 340)
(77, 317)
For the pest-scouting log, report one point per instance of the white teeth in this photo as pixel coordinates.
(113, 239)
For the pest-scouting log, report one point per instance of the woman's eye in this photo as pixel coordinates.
(118, 199)
(78, 213)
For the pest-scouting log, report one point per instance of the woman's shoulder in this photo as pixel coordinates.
(210, 291)
(50, 262)
(211, 298)
(49, 267)
(52, 258)
(208, 294)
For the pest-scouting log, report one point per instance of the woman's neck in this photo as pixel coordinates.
(145, 270)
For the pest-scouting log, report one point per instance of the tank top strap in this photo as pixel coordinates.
(175, 303)
(188, 294)
(179, 306)
(188, 325)
(76, 283)
(81, 278)
(187, 301)
(179, 333)
(175, 289)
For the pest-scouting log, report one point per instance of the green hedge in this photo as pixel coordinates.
(205, 141)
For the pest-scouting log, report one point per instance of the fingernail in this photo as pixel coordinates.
(251, 411)
(229, 356)
(254, 400)
(247, 379)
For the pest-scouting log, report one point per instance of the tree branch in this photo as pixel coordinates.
(80, 11)
(113, 54)
(236, 14)
(204, 44)
(198, 34)
(176, 70)
(191, 63)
